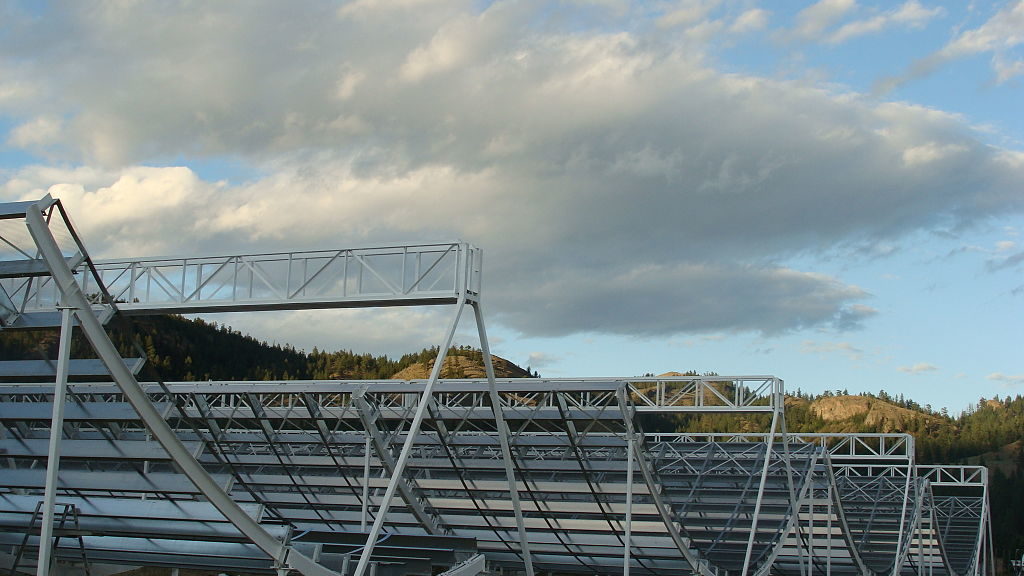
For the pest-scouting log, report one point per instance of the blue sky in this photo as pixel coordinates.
(830, 192)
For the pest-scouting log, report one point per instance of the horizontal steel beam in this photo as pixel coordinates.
(10, 210)
(33, 267)
(77, 367)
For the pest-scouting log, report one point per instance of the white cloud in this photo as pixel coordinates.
(38, 132)
(811, 22)
(847, 349)
(824, 21)
(1007, 380)
(930, 153)
(14, 93)
(750, 20)
(1006, 68)
(910, 14)
(540, 360)
(919, 368)
(446, 50)
(131, 212)
(687, 13)
(1002, 31)
(33, 182)
(650, 300)
(348, 82)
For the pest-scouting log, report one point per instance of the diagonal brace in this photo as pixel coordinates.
(407, 488)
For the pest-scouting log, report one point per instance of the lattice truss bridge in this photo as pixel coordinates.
(453, 476)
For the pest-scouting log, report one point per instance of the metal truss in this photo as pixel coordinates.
(406, 274)
(840, 447)
(300, 452)
(426, 476)
(948, 475)
(707, 393)
(302, 457)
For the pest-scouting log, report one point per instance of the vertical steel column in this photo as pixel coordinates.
(760, 494)
(991, 546)
(60, 392)
(931, 543)
(414, 429)
(911, 468)
(629, 506)
(828, 545)
(366, 484)
(779, 400)
(978, 559)
(503, 438)
(810, 536)
(921, 544)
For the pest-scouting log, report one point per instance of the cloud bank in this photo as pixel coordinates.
(617, 181)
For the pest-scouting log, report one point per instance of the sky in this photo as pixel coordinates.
(829, 192)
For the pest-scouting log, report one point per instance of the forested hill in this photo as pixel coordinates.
(180, 349)
(990, 432)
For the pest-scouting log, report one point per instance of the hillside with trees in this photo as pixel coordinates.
(181, 349)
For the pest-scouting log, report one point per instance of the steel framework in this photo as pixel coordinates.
(415, 477)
